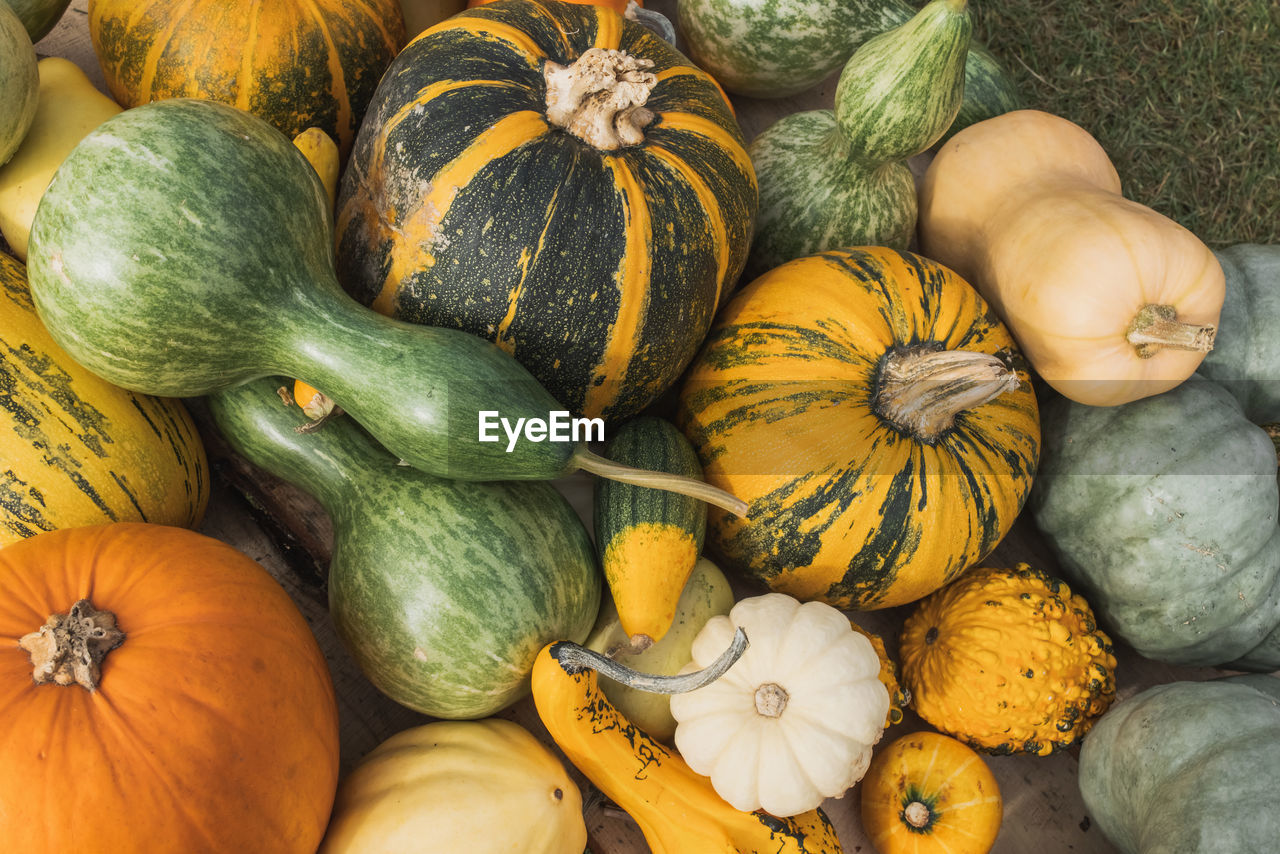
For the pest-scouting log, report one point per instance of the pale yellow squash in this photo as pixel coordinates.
(1109, 300)
(69, 106)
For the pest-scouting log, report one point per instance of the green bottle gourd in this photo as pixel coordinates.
(443, 591)
(838, 178)
(184, 247)
(19, 82)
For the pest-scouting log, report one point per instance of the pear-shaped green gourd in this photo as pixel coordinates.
(184, 247)
(19, 82)
(442, 591)
(838, 178)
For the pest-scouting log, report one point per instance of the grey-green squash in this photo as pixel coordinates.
(832, 179)
(1164, 512)
(19, 82)
(442, 591)
(1245, 359)
(1188, 767)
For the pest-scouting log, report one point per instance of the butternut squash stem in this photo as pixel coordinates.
(677, 483)
(1156, 328)
(69, 648)
(575, 659)
(922, 390)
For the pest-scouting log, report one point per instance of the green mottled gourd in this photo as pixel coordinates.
(1188, 767)
(1245, 359)
(837, 178)
(444, 592)
(158, 273)
(774, 50)
(19, 82)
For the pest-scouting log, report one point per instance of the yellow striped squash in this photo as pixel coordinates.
(877, 418)
(76, 450)
(557, 179)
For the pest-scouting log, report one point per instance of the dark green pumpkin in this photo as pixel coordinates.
(1188, 767)
(1164, 512)
(468, 205)
(38, 16)
(442, 591)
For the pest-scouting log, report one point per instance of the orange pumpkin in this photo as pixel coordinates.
(211, 723)
(619, 6)
(296, 64)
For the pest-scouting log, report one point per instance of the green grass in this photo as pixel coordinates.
(1183, 94)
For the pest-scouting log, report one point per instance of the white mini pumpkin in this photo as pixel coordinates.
(794, 720)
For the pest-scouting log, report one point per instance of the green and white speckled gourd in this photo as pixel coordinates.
(1188, 767)
(185, 247)
(780, 48)
(1245, 359)
(837, 178)
(19, 82)
(1164, 512)
(443, 592)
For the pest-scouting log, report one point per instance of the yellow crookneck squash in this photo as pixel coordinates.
(877, 418)
(76, 450)
(927, 793)
(1008, 661)
(69, 107)
(1109, 300)
(677, 809)
(480, 787)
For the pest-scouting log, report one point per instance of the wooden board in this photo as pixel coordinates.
(287, 533)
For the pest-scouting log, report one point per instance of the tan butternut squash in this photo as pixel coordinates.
(1109, 300)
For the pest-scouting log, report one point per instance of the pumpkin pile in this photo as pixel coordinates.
(418, 261)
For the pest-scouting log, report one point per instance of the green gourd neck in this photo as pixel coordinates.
(901, 90)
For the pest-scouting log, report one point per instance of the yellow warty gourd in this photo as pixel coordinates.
(1008, 661)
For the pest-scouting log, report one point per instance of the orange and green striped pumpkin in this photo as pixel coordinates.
(78, 451)
(877, 418)
(471, 202)
(295, 63)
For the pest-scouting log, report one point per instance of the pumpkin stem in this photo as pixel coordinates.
(1157, 327)
(599, 97)
(70, 647)
(917, 814)
(575, 659)
(771, 700)
(677, 483)
(922, 390)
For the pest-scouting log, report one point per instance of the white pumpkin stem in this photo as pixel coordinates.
(922, 390)
(771, 700)
(1156, 328)
(677, 483)
(69, 648)
(599, 97)
(575, 659)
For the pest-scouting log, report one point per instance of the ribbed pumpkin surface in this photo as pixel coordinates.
(77, 450)
(847, 506)
(295, 63)
(213, 727)
(465, 206)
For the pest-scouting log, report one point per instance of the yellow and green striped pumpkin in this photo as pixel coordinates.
(877, 418)
(295, 63)
(468, 204)
(76, 450)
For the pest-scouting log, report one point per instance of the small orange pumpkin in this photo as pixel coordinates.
(194, 713)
